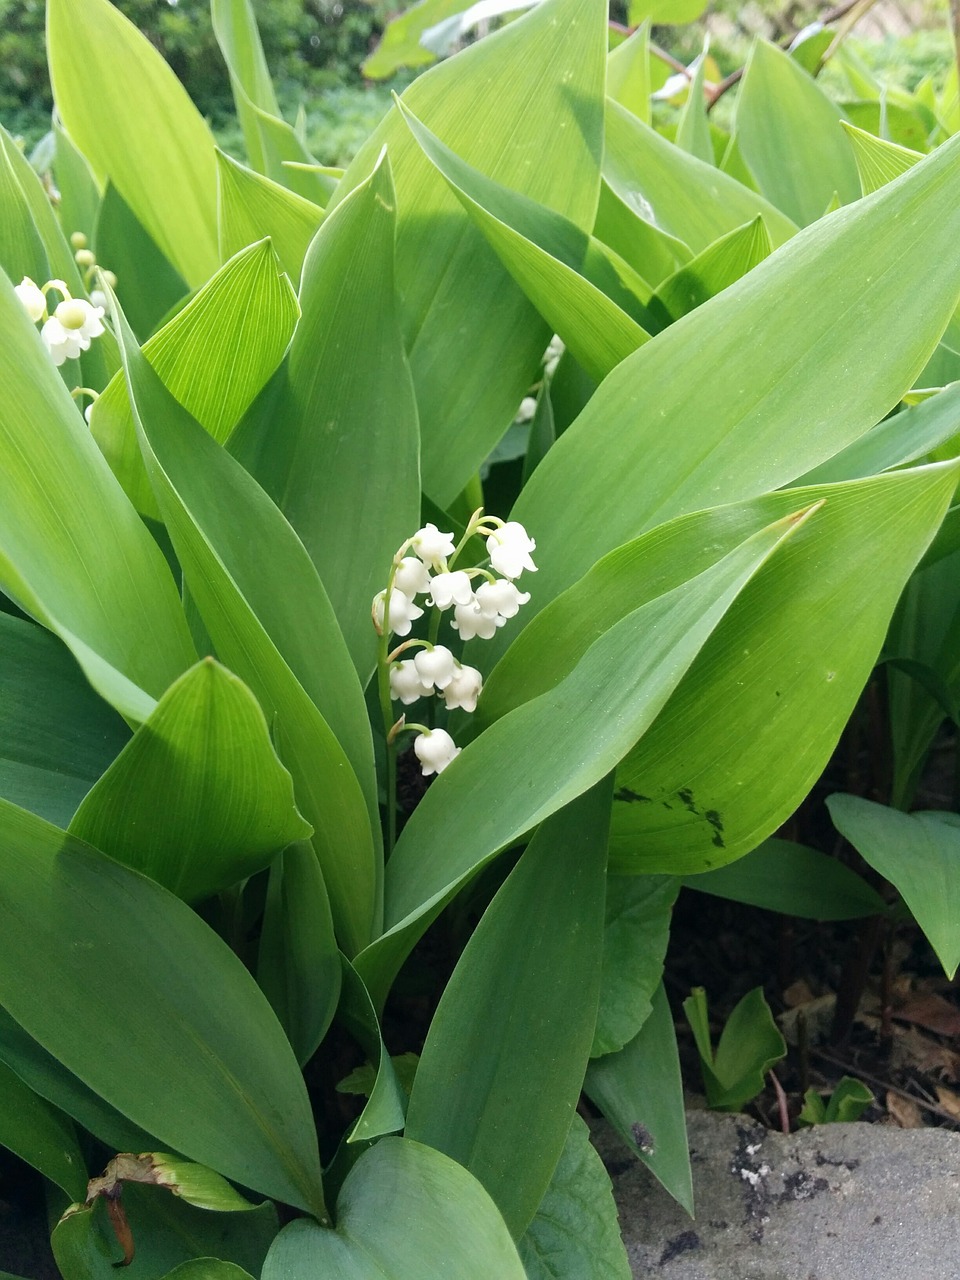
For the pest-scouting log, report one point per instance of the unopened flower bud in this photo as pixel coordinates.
(464, 689)
(432, 546)
(436, 667)
(78, 240)
(84, 258)
(448, 589)
(434, 749)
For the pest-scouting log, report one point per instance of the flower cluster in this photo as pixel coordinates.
(477, 612)
(71, 327)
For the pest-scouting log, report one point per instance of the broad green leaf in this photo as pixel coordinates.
(272, 624)
(778, 680)
(197, 800)
(73, 551)
(640, 1092)
(79, 193)
(59, 255)
(400, 44)
(533, 88)
(495, 1097)
(547, 752)
(575, 1232)
(386, 1105)
(847, 1103)
(298, 965)
(789, 133)
(664, 12)
(404, 1210)
(919, 853)
(694, 416)
(235, 27)
(709, 273)
(51, 1080)
(167, 1233)
(129, 115)
(675, 191)
(628, 73)
(903, 121)
(750, 1044)
(635, 937)
(905, 437)
(794, 880)
(878, 161)
(148, 1033)
(693, 127)
(21, 250)
(56, 735)
(214, 356)
(148, 286)
(40, 1135)
(340, 453)
(586, 293)
(652, 253)
(252, 207)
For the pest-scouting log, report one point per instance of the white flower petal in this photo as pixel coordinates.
(434, 749)
(436, 667)
(412, 576)
(464, 689)
(432, 546)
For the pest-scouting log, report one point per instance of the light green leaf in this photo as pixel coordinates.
(788, 131)
(693, 127)
(640, 1092)
(149, 1033)
(22, 252)
(400, 44)
(664, 12)
(73, 551)
(710, 272)
(635, 938)
(252, 207)
(298, 965)
(533, 88)
(272, 623)
(214, 356)
(495, 1097)
(847, 1103)
(207, 746)
(340, 450)
(676, 192)
(628, 73)
(796, 881)
(651, 252)
(235, 27)
(575, 1232)
(404, 1210)
(919, 853)
(133, 120)
(79, 193)
(586, 293)
(59, 255)
(386, 1103)
(750, 1044)
(562, 743)
(878, 161)
(40, 1135)
(56, 735)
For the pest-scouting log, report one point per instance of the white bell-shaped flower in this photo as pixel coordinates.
(469, 621)
(432, 546)
(405, 682)
(509, 549)
(79, 316)
(448, 589)
(63, 344)
(435, 749)
(464, 689)
(436, 667)
(412, 576)
(32, 297)
(500, 597)
(403, 612)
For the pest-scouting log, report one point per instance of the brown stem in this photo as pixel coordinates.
(781, 1103)
(853, 978)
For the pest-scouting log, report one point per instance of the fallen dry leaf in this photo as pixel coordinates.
(928, 1010)
(949, 1100)
(904, 1111)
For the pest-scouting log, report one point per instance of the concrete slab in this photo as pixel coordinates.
(837, 1202)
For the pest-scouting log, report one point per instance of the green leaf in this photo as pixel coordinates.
(533, 88)
(919, 853)
(148, 1033)
(400, 44)
(750, 1044)
(148, 285)
(235, 27)
(56, 735)
(272, 624)
(40, 1135)
(386, 1106)
(847, 1103)
(675, 191)
(79, 193)
(575, 1232)
(640, 1092)
(796, 881)
(789, 133)
(340, 450)
(252, 207)
(214, 356)
(628, 73)
(193, 1183)
(586, 293)
(878, 161)
(59, 255)
(547, 752)
(496, 1098)
(206, 744)
(404, 1210)
(651, 251)
(710, 272)
(691, 416)
(778, 680)
(73, 551)
(129, 115)
(208, 1269)
(635, 938)
(693, 127)
(666, 12)
(298, 965)
(21, 250)
(167, 1233)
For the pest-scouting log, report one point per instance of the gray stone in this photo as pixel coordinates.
(836, 1202)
